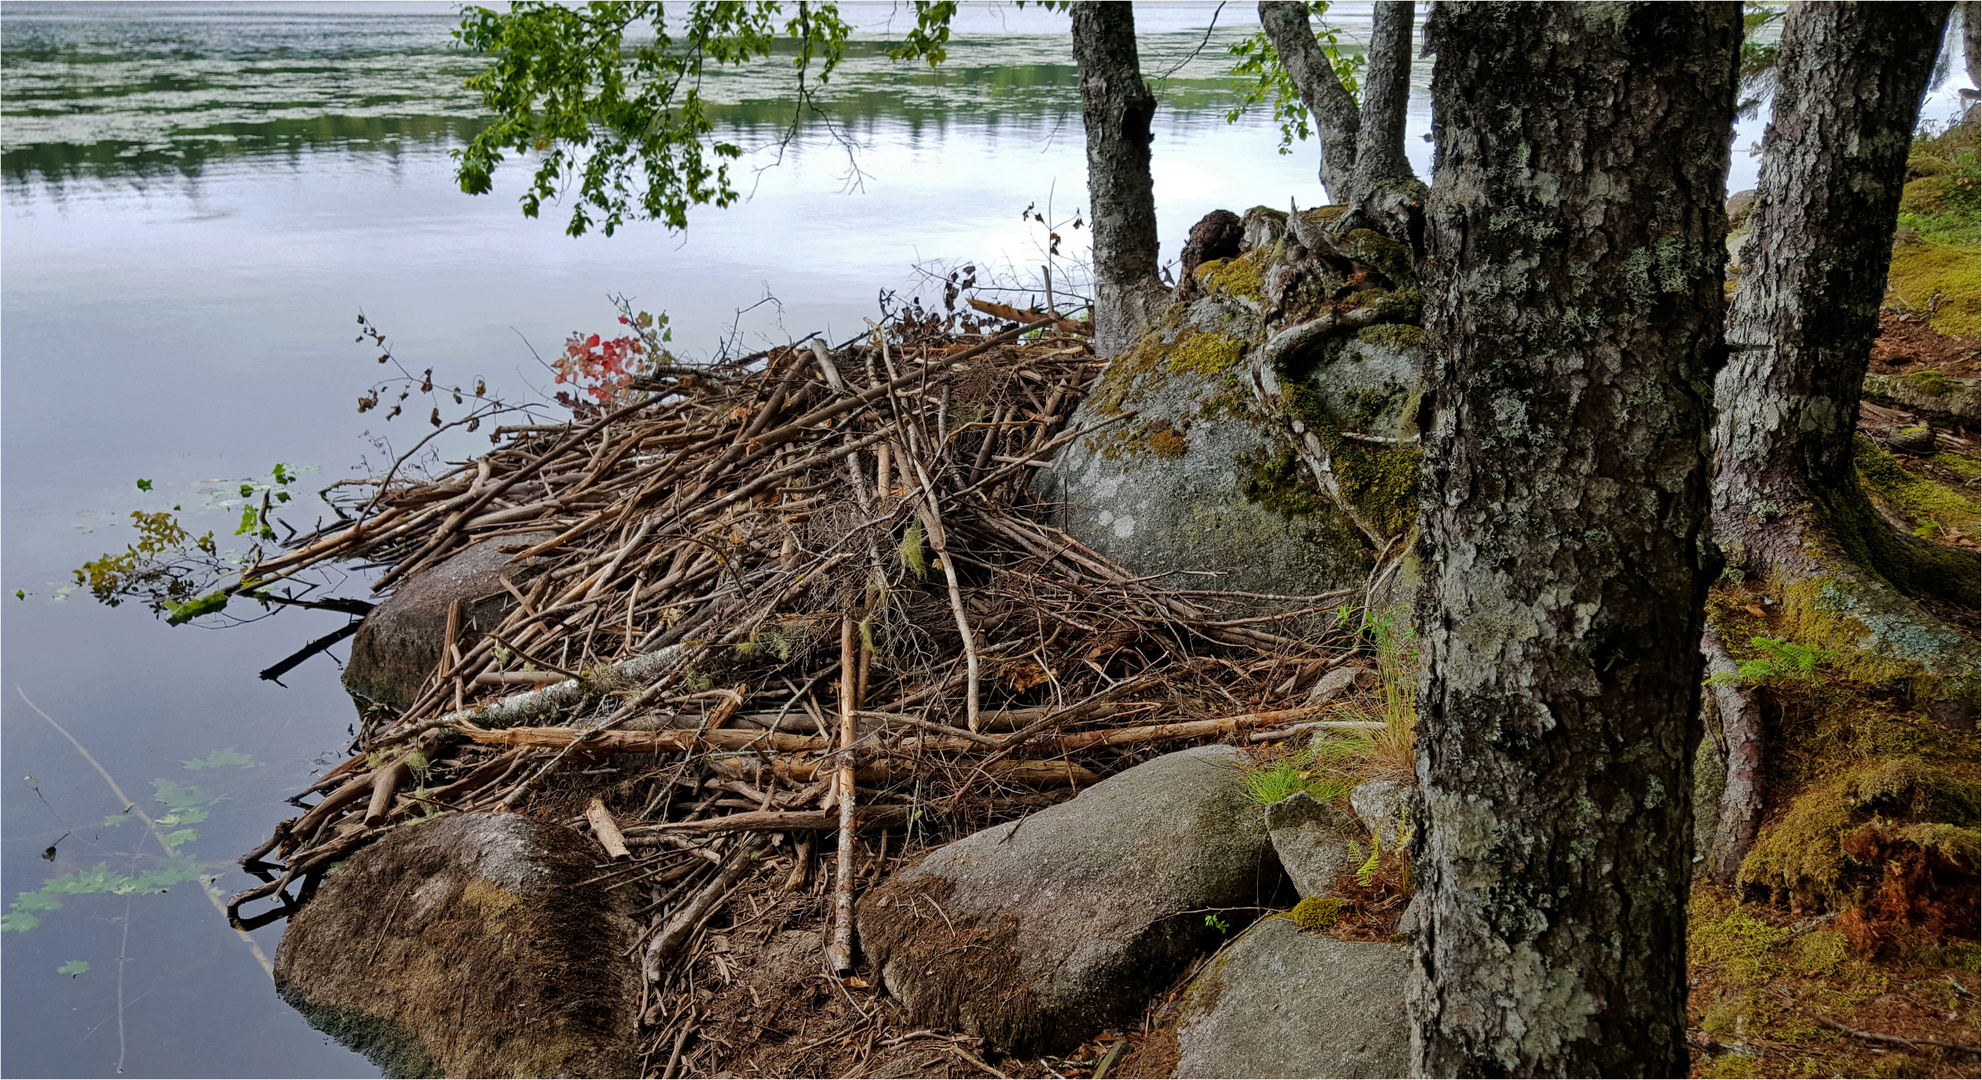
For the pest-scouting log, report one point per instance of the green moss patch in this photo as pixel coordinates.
(1205, 353)
(1382, 484)
(1941, 278)
(1393, 336)
(1803, 856)
(1242, 277)
(1932, 510)
(1318, 912)
(1280, 485)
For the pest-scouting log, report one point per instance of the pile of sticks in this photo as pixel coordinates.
(806, 592)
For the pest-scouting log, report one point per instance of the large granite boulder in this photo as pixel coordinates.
(1039, 933)
(468, 945)
(398, 646)
(1289, 374)
(1284, 1002)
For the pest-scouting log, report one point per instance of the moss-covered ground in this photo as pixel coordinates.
(1857, 906)
(1848, 946)
(1936, 254)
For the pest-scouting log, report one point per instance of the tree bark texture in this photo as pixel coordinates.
(1338, 121)
(1117, 109)
(1848, 89)
(1574, 307)
(1386, 91)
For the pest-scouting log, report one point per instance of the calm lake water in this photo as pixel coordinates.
(199, 200)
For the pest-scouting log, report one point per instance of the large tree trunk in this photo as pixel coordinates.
(1786, 495)
(1574, 307)
(1117, 109)
(1363, 164)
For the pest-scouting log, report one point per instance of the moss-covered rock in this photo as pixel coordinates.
(1941, 399)
(1930, 508)
(1213, 471)
(469, 945)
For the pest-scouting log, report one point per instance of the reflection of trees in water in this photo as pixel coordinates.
(868, 99)
(191, 150)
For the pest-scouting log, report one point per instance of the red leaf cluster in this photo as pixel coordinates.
(601, 367)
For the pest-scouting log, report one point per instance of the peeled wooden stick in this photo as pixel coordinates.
(447, 529)
(450, 649)
(605, 829)
(305, 829)
(605, 576)
(840, 952)
(519, 707)
(385, 782)
(1051, 772)
(932, 517)
(781, 821)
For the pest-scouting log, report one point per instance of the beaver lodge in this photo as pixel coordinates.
(765, 630)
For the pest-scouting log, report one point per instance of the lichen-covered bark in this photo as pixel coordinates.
(1386, 89)
(1786, 494)
(1574, 305)
(1117, 109)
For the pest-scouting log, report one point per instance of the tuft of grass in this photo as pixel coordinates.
(1318, 770)
(1276, 782)
(1392, 749)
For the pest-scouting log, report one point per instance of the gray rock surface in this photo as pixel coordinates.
(398, 646)
(468, 945)
(1381, 805)
(1201, 478)
(1281, 1002)
(1039, 933)
(1930, 395)
(1315, 842)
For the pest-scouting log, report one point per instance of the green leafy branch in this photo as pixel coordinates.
(1265, 79)
(176, 573)
(609, 95)
(1780, 661)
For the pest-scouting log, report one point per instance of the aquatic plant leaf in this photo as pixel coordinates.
(176, 871)
(18, 922)
(73, 968)
(222, 759)
(182, 797)
(37, 901)
(181, 836)
(180, 614)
